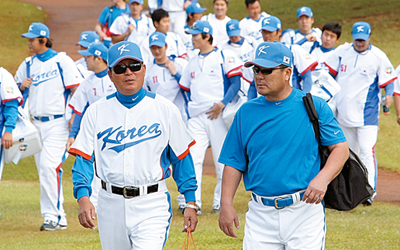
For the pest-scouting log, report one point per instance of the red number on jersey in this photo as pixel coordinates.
(343, 67)
(95, 94)
(155, 79)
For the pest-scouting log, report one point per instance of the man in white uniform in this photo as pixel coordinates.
(251, 25)
(86, 38)
(218, 21)
(132, 27)
(133, 136)
(396, 94)
(213, 79)
(194, 13)
(362, 70)
(48, 78)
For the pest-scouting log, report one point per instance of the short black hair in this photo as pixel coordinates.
(226, 1)
(247, 2)
(333, 27)
(159, 14)
(49, 43)
(210, 40)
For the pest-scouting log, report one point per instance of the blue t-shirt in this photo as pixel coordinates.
(108, 16)
(274, 145)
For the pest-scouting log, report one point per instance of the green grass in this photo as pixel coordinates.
(373, 227)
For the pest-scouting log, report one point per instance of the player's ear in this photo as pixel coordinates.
(110, 72)
(279, 32)
(166, 46)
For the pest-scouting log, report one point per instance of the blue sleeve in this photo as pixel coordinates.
(307, 81)
(103, 16)
(234, 86)
(82, 176)
(76, 124)
(184, 175)
(177, 76)
(303, 40)
(10, 115)
(252, 92)
(389, 89)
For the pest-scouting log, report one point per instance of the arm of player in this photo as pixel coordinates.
(315, 191)
(389, 89)
(10, 116)
(397, 106)
(227, 216)
(99, 31)
(307, 81)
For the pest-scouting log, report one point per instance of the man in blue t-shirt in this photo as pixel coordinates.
(283, 170)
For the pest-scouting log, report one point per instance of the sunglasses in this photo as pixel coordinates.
(120, 69)
(264, 71)
(360, 41)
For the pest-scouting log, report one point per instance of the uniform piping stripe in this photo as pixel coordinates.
(72, 86)
(388, 82)
(73, 108)
(398, 94)
(311, 68)
(183, 87)
(169, 219)
(184, 154)
(331, 70)
(75, 152)
(20, 102)
(375, 166)
(230, 71)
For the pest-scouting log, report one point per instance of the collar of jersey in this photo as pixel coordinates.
(130, 101)
(46, 55)
(238, 43)
(206, 54)
(281, 102)
(323, 49)
(102, 74)
(360, 52)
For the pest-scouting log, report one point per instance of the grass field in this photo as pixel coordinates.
(373, 227)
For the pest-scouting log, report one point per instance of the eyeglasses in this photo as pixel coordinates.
(360, 41)
(265, 71)
(120, 69)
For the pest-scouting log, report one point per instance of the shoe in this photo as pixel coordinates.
(215, 210)
(49, 225)
(199, 212)
(181, 208)
(63, 227)
(370, 200)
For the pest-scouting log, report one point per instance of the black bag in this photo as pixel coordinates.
(350, 188)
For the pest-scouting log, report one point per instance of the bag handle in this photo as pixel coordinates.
(188, 236)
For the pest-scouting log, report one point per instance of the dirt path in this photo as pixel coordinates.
(67, 19)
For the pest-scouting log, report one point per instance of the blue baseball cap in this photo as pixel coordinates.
(232, 28)
(200, 27)
(361, 30)
(37, 30)
(95, 49)
(271, 24)
(123, 50)
(88, 37)
(136, 1)
(157, 39)
(195, 7)
(304, 11)
(271, 55)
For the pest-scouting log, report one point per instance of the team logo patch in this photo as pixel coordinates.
(261, 50)
(46, 76)
(10, 90)
(97, 53)
(131, 137)
(42, 33)
(360, 28)
(23, 147)
(266, 20)
(122, 48)
(206, 30)
(231, 59)
(389, 70)
(154, 37)
(231, 27)
(84, 36)
(307, 56)
(192, 74)
(286, 59)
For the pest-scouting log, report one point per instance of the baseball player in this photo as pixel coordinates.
(306, 35)
(86, 38)
(218, 21)
(107, 17)
(134, 27)
(213, 79)
(161, 22)
(92, 89)
(194, 13)
(10, 99)
(251, 25)
(277, 155)
(47, 78)
(164, 73)
(303, 63)
(133, 135)
(361, 69)
(396, 94)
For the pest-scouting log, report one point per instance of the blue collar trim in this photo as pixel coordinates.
(130, 101)
(46, 55)
(102, 73)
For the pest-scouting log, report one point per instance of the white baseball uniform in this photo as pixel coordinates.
(252, 28)
(206, 77)
(219, 28)
(177, 15)
(361, 77)
(187, 42)
(321, 54)
(53, 75)
(295, 36)
(397, 82)
(175, 48)
(143, 27)
(133, 147)
(159, 80)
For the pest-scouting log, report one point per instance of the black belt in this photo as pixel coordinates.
(129, 191)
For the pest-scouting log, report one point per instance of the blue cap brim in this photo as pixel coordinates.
(304, 14)
(192, 32)
(269, 28)
(29, 35)
(158, 44)
(83, 44)
(234, 33)
(261, 63)
(362, 36)
(113, 63)
(85, 53)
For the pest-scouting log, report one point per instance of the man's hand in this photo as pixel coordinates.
(7, 140)
(170, 65)
(389, 100)
(70, 141)
(87, 213)
(25, 84)
(215, 111)
(315, 191)
(311, 38)
(228, 216)
(190, 218)
(130, 28)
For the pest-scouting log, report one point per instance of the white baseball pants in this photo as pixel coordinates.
(299, 226)
(362, 141)
(205, 132)
(54, 136)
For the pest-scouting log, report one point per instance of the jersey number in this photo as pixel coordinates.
(94, 89)
(343, 68)
(155, 79)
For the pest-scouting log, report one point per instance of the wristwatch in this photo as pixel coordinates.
(195, 207)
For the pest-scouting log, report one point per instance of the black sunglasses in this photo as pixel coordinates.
(120, 69)
(265, 71)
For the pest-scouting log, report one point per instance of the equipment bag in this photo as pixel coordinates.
(350, 188)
